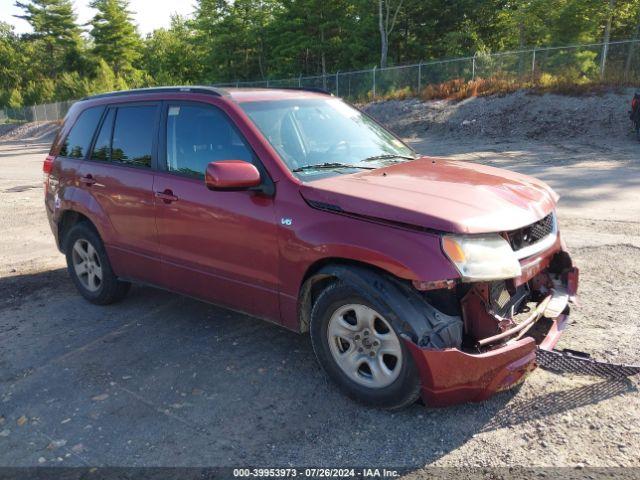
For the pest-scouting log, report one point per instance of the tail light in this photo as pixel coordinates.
(47, 166)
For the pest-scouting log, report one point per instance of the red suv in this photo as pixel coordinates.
(414, 276)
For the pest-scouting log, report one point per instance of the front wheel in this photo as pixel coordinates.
(89, 267)
(361, 350)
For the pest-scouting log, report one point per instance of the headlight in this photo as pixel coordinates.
(481, 257)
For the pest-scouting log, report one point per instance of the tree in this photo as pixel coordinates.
(636, 36)
(104, 80)
(170, 55)
(229, 40)
(232, 37)
(115, 38)
(212, 26)
(525, 23)
(54, 25)
(607, 37)
(10, 61)
(14, 99)
(70, 86)
(314, 36)
(386, 24)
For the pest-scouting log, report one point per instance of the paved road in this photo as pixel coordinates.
(161, 379)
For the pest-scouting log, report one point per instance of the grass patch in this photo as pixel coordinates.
(571, 83)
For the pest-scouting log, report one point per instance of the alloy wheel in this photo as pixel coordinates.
(364, 345)
(86, 264)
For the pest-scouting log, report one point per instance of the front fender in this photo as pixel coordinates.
(322, 236)
(310, 238)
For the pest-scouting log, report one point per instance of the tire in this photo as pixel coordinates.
(398, 389)
(89, 267)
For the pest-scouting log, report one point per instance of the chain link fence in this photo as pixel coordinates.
(538, 66)
(37, 113)
(580, 63)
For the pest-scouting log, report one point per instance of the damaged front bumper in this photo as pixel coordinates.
(499, 352)
(452, 376)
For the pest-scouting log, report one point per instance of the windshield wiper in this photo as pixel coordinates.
(388, 156)
(320, 166)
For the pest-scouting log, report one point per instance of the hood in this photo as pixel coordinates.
(438, 194)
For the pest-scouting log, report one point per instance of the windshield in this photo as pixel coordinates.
(325, 136)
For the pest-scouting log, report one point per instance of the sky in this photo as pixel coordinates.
(148, 14)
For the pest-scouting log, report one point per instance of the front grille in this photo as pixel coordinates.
(531, 234)
(577, 362)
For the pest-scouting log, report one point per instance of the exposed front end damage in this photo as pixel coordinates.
(504, 323)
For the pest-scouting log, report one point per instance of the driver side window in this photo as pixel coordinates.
(198, 135)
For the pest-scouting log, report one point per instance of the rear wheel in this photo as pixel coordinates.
(89, 267)
(361, 350)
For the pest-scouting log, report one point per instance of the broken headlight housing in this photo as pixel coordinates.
(481, 257)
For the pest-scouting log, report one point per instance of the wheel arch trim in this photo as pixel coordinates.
(415, 319)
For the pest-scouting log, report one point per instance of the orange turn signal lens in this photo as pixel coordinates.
(453, 250)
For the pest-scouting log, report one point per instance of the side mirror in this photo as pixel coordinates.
(231, 175)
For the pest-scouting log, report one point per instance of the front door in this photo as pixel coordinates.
(220, 246)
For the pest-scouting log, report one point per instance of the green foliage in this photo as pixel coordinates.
(237, 40)
(104, 79)
(314, 36)
(171, 56)
(39, 91)
(70, 86)
(232, 39)
(15, 99)
(10, 59)
(55, 32)
(115, 39)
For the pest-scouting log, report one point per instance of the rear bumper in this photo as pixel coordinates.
(451, 376)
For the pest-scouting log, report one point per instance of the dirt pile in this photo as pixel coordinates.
(519, 116)
(38, 132)
(524, 115)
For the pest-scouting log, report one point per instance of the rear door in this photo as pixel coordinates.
(220, 246)
(119, 177)
(71, 153)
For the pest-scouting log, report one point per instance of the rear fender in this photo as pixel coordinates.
(78, 200)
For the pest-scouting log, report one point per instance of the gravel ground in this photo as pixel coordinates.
(161, 379)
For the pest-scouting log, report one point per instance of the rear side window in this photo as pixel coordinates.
(102, 147)
(126, 136)
(133, 135)
(198, 135)
(77, 142)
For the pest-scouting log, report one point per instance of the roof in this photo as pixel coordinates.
(237, 94)
(155, 90)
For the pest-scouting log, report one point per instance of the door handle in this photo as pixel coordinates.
(88, 180)
(166, 196)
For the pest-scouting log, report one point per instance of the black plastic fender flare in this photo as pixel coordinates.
(402, 305)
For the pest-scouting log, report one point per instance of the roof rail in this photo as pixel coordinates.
(137, 91)
(304, 89)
